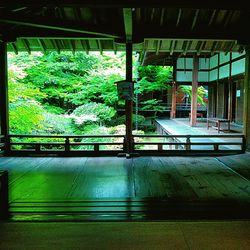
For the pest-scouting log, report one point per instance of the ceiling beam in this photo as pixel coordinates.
(162, 16)
(214, 13)
(200, 47)
(178, 17)
(14, 47)
(72, 46)
(152, 32)
(184, 47)
(56, 45)
(158, 45)
(228, 18)
(62, 25)
(114, 47)
(213, 48)
(195, 4)
(100, 46)
(85, 46)
(128, 23)
(172, 47)
(26, 45)
(42, 45)
(195, 19)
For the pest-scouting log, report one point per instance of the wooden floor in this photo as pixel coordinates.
(140, 188)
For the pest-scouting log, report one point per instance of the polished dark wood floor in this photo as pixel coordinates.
(143, 187)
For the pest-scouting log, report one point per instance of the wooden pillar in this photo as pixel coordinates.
(246, 105)
(173, 106)
(174, 91)
(194, 91)
(129, 103)
(4, 113)
(230, 92)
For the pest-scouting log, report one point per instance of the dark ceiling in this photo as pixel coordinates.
(167, 28)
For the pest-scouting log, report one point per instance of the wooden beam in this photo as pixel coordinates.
(172, 47)
(195, 19)
(158, 45)
(246, 104)
(203, 33)
(56, 45)
(26, 45)
(214, 13)
(230, 92)
(152, 14)
(195, 4)
(184, 47)
(4, 103)
(127, 17)
(228, 18)
(129, 103)
(178, 17)
(174, 93)
(42, 45)
(14, 47)
(72, 45)
(43, 33)
(213, 48)
(194, 91)
(162, 16)
(100, 46)
(85, 45)
(114, 48)
(199, 49)
(33, 21)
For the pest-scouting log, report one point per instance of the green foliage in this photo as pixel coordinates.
(25, 117)
(92, 112)
(200, 94)
(24, 111)
(154, 78)
(122, 120)
(57, 124)
(73, 93)
(152, 104)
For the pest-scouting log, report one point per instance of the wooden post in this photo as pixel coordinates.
(129, 103)
(173, 107)
(4, 195)
(174, 90)
(230, 92)
(246, 105)
(194, 91)
(4, 113)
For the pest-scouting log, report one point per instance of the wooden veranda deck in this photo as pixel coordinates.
(111, 188)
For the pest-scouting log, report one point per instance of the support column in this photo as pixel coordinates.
(173, 106)
(174, 91)
(129, 103)
(230, 91)
(4, 113)
(194, 91)
(246, 105)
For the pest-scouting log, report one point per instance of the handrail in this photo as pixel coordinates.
(65, 136)
(183, 143)
(194, 136)
(187, 143)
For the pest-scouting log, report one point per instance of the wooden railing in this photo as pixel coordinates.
(98, 145)
(167, 107)
(94, 144)
(189, 144)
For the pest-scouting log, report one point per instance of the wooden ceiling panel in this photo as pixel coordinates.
(158, 27)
